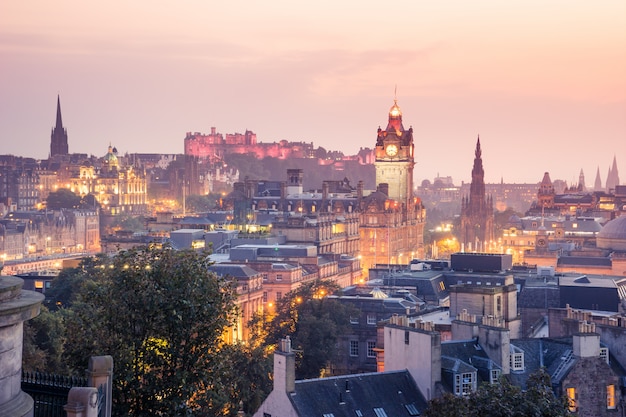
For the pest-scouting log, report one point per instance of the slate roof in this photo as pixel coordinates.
(234, 270)
(395, 393)
(466, 356)
(553, 354)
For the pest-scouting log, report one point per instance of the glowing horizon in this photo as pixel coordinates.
(541, 83)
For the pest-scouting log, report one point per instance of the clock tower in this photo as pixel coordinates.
(394, 157)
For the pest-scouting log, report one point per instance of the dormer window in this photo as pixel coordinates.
(494, 375)
(517, 361)
(465, 383)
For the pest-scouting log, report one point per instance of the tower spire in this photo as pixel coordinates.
(59, 124)
(58, 139)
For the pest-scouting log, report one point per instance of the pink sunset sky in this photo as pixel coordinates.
(542, 82)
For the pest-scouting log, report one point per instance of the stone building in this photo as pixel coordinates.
(392, 217)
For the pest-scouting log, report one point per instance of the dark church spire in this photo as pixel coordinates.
(59, 124)
(58, 139)
(477, 209)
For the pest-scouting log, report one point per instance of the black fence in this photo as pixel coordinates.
(49, 392)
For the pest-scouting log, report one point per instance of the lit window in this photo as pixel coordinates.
(371, 319)
(370, 349)
(610, 397)
(39, 285)
(571, 398)
(354, 348)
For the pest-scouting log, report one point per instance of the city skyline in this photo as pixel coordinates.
(542, 84)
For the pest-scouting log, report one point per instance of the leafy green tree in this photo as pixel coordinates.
(43, 343)
(160, 313)
(503, 400)
(62, 198)
(248, 377)
(314, 323)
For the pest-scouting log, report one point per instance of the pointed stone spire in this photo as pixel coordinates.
(581, 181)
(614, 174)
(612, 178)
(59, 124)
(58, 139)
(597, 185)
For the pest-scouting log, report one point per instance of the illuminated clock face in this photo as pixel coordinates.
(391, 150)
(541, 242)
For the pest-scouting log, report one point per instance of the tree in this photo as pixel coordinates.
(44, 338)
(503, 400)
(63, 198)
(200, 203)
(160, 313)
(314, 323)
(248, 377)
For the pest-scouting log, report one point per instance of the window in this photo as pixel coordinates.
(265, 277)
(279, 295)
(354, 320)
(380, 412)
(494, 375)
(412, 409)
(571, 398)
(604, 354)
(265, 296)
(464, 383)
(267, 415)
(610, 397)
(358, 413)
(517, 361)
(371, 319)
(354, 348)
(406, 337)
(370, 349)
(499, 304)
(279, 277)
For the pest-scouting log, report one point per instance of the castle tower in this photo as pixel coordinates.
(394, 157)
(477, 210)
(58, 139)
